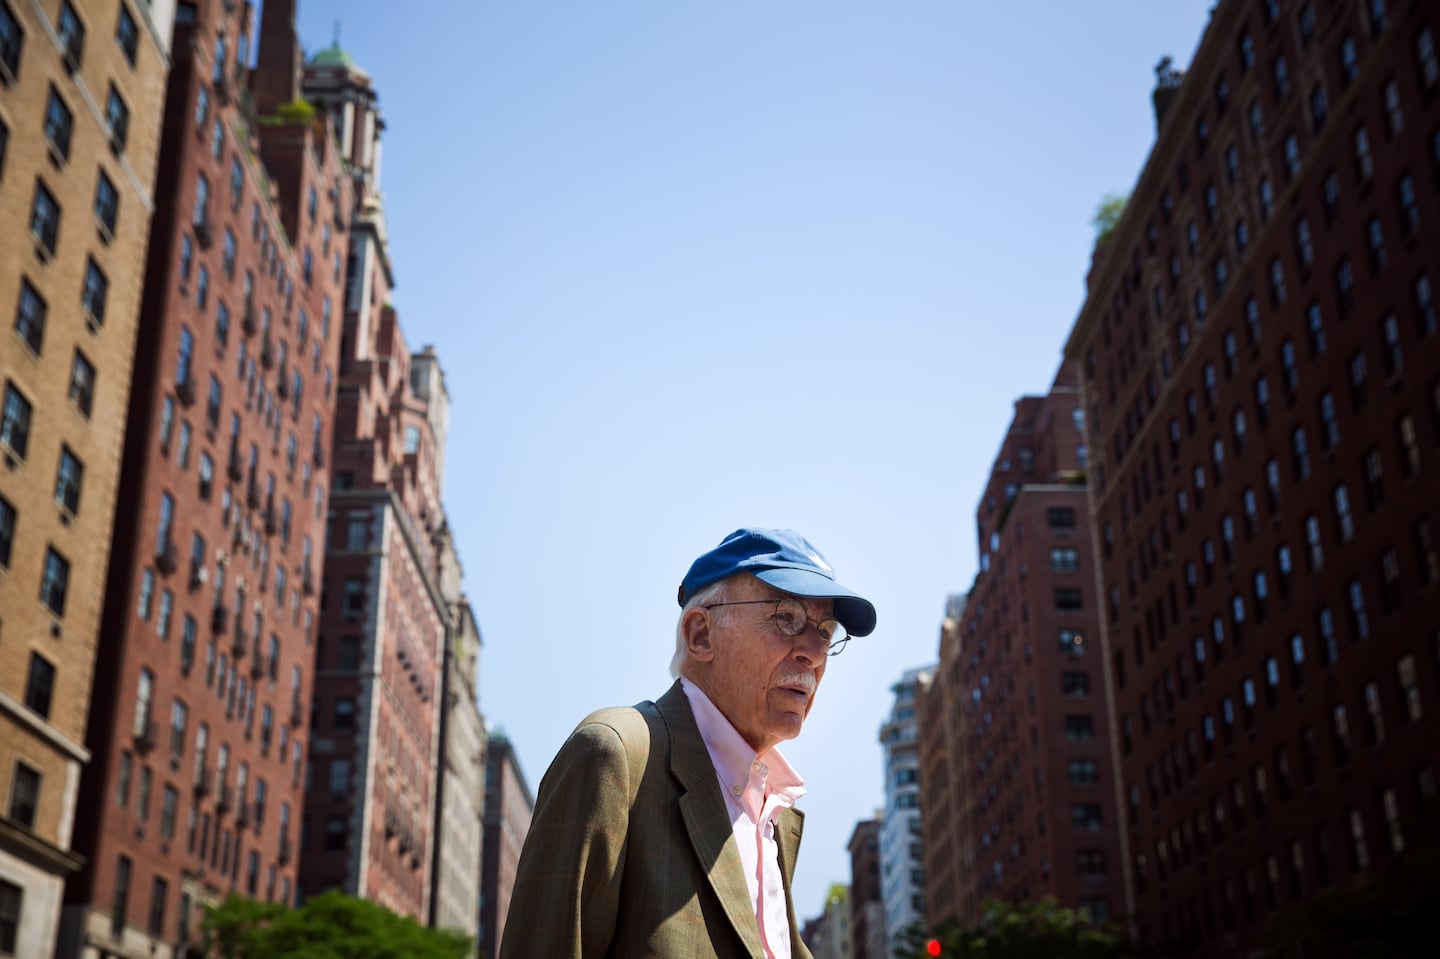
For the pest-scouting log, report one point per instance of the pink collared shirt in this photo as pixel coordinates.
(757, 788)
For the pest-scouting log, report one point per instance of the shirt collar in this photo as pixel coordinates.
(735, 761)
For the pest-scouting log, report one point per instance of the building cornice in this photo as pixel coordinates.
(32, 721)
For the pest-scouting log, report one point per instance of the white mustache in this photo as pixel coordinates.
(805, 681)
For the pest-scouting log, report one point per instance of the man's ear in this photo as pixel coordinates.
(699, 639)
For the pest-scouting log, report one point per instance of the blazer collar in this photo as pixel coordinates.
(706, 819)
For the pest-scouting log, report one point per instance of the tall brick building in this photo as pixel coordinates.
(204, 672)
(81, 87)
(1023, 803)
(371, 820)
(1260, 371)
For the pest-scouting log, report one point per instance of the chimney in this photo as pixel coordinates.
(1167, 88)
(279, 62)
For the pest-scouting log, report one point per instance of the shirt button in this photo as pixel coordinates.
(736, 790)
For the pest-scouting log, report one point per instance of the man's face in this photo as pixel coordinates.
(762, 680)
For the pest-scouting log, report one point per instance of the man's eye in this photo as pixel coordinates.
(787, 622)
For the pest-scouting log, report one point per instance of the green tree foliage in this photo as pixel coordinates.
(1107, 215)
(1390, 917)
(330, 926)
(1030, 930)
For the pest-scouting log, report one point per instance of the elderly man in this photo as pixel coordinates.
(667, 829)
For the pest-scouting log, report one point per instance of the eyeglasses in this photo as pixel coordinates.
(790, 618)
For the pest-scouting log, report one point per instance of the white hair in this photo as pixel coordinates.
(714, 593)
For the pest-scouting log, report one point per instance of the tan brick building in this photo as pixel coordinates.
(203, 679)
(81, 90)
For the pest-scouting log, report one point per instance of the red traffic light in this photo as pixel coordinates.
(932, 948)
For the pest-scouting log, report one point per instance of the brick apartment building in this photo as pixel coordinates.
(867, 908)
(203, 676)
(371, 818)
(81, 88)
(1262, 384)
(1023, 803)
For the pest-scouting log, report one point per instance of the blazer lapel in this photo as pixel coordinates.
(706, 818)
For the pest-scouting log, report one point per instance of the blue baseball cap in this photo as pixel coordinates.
(784, 559)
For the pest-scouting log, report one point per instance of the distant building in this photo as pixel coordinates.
(197, 726)
(509, 805)
(1023, 802)
(828, 936)
(460, 812)
(941, 747)
(867, 907)
(82, 89)
(1258, 359)
(902, 870)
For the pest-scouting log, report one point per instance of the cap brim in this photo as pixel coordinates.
(855, 612)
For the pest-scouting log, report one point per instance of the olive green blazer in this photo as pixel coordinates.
(630, 851)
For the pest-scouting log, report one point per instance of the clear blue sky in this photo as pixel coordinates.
(694, 266)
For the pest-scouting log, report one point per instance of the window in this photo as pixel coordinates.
(127, 34)
(54, 581)
(1345, 285)
(1394, 115)
(1083, 772)
(1425, 56)
(334, 833)
(122, 881)
(40, 684)
(117, 115)
(30, 317)
(1277, 281)
(1330, 426)
(1344, 521)
(45, 219)
(95, 292)
(107, 203)
(59, 125)
(1364, 162)
(339, 778)
(1266, 194)
(11, 895)
(1319, 107)
(1068, 599)
(1079, 728)
(159, 890)
(1405, 675)
(1075, 684)
(1087, 816)
(7, 530)
(1359, 621)
(1065, 560)
(82, 384)
(1424, 306)
(1060, 517)
(1071, 642)
(1375, 237)
(68, 478)
(344, 713)
(24, 794)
